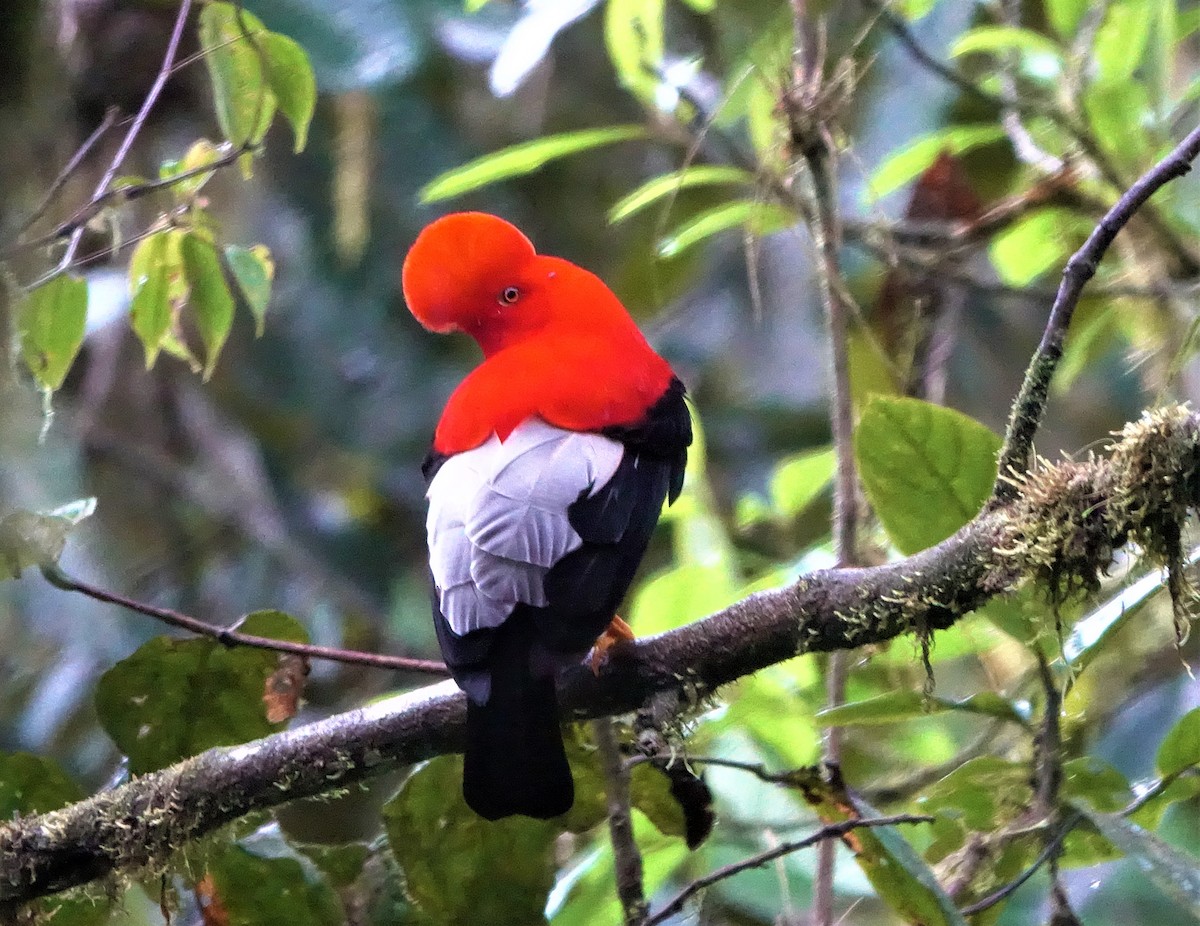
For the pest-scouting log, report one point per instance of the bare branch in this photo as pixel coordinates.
(135, 129)
(824, 834)
(627, 857)
(1030, 405)
(231, 637)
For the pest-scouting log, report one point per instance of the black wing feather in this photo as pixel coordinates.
(515, 762)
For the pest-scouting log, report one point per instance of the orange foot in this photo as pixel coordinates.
(616, 632)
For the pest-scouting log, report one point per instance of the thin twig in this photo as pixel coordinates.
(809, 104)
(627, 857)
(1051, 847)
(92, 208)
(229, 637)
(110, 117)
(904, 34)
(1030, 405)
(826, 833)
(164, 72)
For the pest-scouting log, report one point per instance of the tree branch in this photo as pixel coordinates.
(232, 637)
(626, 855)
(135, 129)
(1030, 405)
(140, 825)
(824, 834)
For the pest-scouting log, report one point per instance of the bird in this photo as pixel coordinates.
(548, 471)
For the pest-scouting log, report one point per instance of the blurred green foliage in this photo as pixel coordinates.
(616, 133)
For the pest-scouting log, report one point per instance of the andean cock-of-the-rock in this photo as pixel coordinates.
(549, 468)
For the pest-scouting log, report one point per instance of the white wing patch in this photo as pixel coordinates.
(498, 518)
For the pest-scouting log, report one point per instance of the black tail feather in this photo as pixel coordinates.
(515, 761)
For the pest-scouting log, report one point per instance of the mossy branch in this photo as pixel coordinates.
(1060, 531)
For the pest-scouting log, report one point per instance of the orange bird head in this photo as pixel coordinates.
(479, 274)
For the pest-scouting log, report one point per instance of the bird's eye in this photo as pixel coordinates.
(509, 295)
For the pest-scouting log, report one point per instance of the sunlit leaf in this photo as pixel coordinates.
(912, 705)
(290, 76)
(1180, 748)
(1065, 15)
(453, 860)
(912, 160)
(522, 159)
(760, 218)
(209, 298)
(798, 480)
(653, 190)
(633, 35)
(51, 325)
(1034, 244)
(584, 895)
(1122, 39)
(150, 271)
(233, 42)
(253, 270)
(199, 155)
(926, 469)
(175, 698)
(37, 538)
(998, 39)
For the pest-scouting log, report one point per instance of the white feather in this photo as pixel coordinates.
(498, 519)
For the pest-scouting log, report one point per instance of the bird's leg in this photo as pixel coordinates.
(616, 632)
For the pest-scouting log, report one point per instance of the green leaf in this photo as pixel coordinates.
(1121, 40)
(901, 877)
(999, 39)
(585, 893)
(1097, 782)
(633, 35)
(926, 469)
(201, 154)
(233, 44)
(760, 218)
(1091, 635)
(1175, 872)
(702, 6)
(653, 190)
(1180, 748)
(975, 797)
(1032, 245)
(175, 698)
(32, 784)
(150, 271)
(290, 76)
(650, 792)
(342, 864)
(913, 159)
(525, 158)
(37, 538)
(798, 480)
(912, 705)
(51, 327)
(260, 891)
(1065, 15)
(253, 270)
(458, 867)
(209, 297)
(912, 10)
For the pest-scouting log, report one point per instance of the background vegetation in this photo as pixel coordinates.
(251, 400)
